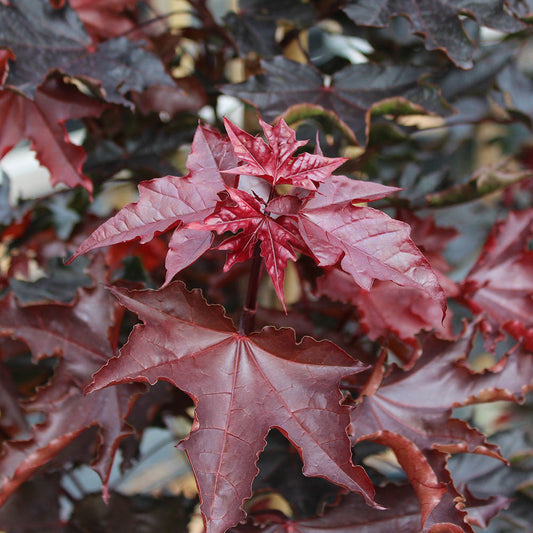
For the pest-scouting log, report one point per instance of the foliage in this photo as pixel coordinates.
(377, 379)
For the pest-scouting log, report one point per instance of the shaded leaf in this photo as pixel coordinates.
(351, 94)
(42, 515)
(280, 469)
(438, 21)
(254, 25)
(59, 284)
(237, 376)
(123, 514)
(402, 513)
(69, 413)
(84, 334)
(42, 121)
(410, 410)
(500, 284)
(44, 39)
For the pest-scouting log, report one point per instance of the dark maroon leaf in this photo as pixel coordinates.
(280, 469)
(410, 410)
(12, 419)
(351, 94)
(239, 376)
(42, 121)
(69, 413)
(438, 21)
(254, 26)
(124, 514)
(402, 513)
(84, 334)
(34, 508)
(500, 284)
(44, 39)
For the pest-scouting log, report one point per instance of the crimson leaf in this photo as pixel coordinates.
(232, 378)
(351, 94)
(413, 309)
(173, 201)
(104, 19)
(274, 161)
(277, 237)
(367, 242)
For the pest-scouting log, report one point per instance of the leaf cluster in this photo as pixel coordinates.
(296, 241)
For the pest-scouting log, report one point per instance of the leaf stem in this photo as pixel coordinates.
(247, 323)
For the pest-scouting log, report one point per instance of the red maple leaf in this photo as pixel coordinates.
(173, 202)
(368, 243)
(84, 335)
(246, 215)
(42, 122)
(274, 162)
(242, 387)
(413, 310)
(104, 18)
(410, 411)
(500, 284)
(402, 514)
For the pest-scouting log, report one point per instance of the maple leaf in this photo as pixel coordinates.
(367, 242)
(254, 26)
(410, 410)
(12, 420)
(84, 335)
(173, 201)
(242, 387)
(350, 94)
(42, 122)
(69, 413)
(277, 236)
(44, 39)
(438, 21)
(414, 310)
(274, 161)
(500, 283)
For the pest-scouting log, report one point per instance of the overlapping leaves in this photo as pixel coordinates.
(83, 335)
(401, 409)
(287, 87)
(438, 21)
(319, 218)
(43, 39)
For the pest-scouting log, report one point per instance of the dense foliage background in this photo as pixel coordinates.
(431, 97)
